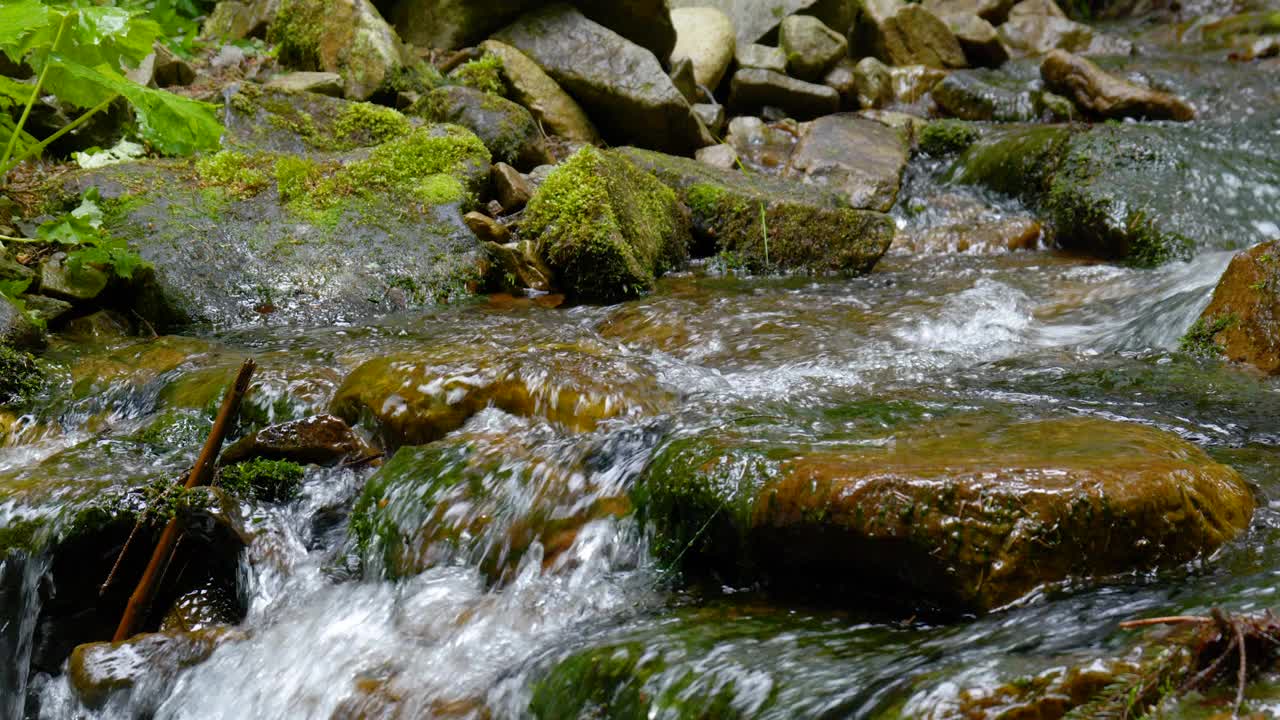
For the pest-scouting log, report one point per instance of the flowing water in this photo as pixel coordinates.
(1031, 334)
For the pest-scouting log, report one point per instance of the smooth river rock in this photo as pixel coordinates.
(553, 108)
(705, 37)
(1104, 95)
(862, 160)
(1242, 320)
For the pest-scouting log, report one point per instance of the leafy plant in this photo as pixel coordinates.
(79, 53)
(88, 242)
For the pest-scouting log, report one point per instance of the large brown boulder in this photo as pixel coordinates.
(967, 513)
(621, 85)
(1243, 319)
(1104, 95)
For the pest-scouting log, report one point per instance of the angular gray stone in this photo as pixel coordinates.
(682, 77)
(753, 19)
(711, 115)
(750, 55)
(324, 83)
(83, 283)
(553, 108)
(1041, 34)
(46, 309)
(720, 156)
(860, 159)
(753, 88)
(811, 47)
(619, 83)
(907, 34)
(993, 11)
(509, 187)
(705, 37)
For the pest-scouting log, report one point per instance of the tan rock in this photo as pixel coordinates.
(704, 36)
(1104, 95)
(551, 106)
(1243, 318)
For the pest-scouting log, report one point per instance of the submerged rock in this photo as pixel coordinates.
(1105, 95)
(487, 498)
(860, 159)
(620, 84)
(963, 514)
(416, 398)
(319, 440)
(149, 662)
(1242, 320)
(809, 228)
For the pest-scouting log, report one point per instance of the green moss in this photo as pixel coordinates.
(401, 164)
(1199, 339)
(265, 480)
(240, 174)
(20, 378)
(295, 177)
(705, 198)
(484, 74)
(609, 227)
(440, 189)
(373, 124)
(948, 137)
(296, 31)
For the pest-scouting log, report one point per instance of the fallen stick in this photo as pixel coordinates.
(1173, 620)
(144, 593)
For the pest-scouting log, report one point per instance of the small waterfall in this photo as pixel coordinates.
(19, 607)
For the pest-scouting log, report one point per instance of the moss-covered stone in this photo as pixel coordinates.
(20, 378)
(348, 37)
(263, 479)
(307, 123)
(966, 514)
(484, 498)
(941, 138)
(607, 228)
(507, 129)
(808, 228)
(1242, 321)
(483, 74)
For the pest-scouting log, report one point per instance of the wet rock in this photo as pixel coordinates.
(509, 187)
(324, 83)
(507, 129)
(976, 236)
(486, 228)
(978, 39)
(753, 19)
(763, 147)
(315, 440)
(13, 270)
(873, 82)
(985, 94)
(811, 47)
(233, 20)
(517, 265)
(417, 398)
(751, 55)
(752, 89)
(993, 11)
(841, 79)
(620, 84)
(711, 116)
(57, 278)
(15, 328)
(941, 138)
(484, 497)
(860, 159)
(1242, 320)
(963, 514)
(348, 37)
(705, 37)
(907, 34)
(1103, 95)
(607, 228)
(810, 228)
(306, 123)
(46, 309)
(149, 662)
(241, 235)
(720, 156)
(1040, 34)
(551, 106)
(1144, 193)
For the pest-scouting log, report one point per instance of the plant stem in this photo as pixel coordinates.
(39, 147)
(6, 238)
(35, 95)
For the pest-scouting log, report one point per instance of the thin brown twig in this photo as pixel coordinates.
(1171, 620)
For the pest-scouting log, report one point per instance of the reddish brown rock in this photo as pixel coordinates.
(1243, 319)
(1103, 95)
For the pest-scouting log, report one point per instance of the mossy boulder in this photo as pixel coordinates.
(507, 129)
(606, 228)
(419, 397)
(809, 228)
(239, 236)
(300, 123)
(964, 514)
(348, 37)
(20, 377)
(553, 108)
(16, 329)
(1142, 193)
(1242, 320)
(621, 85)
(485, 498)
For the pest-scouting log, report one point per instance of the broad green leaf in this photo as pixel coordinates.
(68, 230)
(18, 19)
(113, 253)
(172, 124)
(7, 126)
(13, 92)
(94, 37)
(13, 288)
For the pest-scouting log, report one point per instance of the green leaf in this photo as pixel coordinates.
(172, 124)
(13, 288)
(78, 227)
(108, 252)
(7, 126)
(92, 37)
(20, 19)
(13, 92)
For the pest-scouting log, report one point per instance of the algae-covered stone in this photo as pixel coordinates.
(484, 498)
(809, 228)
(985, 94)
(419, 397)
(553, 108)
(16, 328)
(274, 120)
(348, 37)
(240, 236)
(860, 159)
(1242, 320)
(606, 227)
(963, 513)
(620, 84)
(1144, 193)
(20, 377)
(507, 129)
